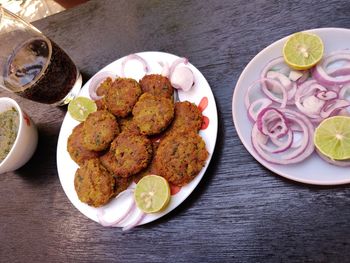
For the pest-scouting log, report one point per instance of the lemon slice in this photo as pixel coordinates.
(303, 50)
(152, 193)
(81, 107)
(332, 137)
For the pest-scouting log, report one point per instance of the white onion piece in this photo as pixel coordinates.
(303, 78)
(182, 78)
(255, 107)
(96, 82)
(294, 75)
(165, 69)
(177, 62)
(137, 220)
(134, 57)
(345, 163)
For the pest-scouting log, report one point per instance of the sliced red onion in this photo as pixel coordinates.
(272, 123)
(276, 64)
(177, 62)
(285, 81)
(303, 78)
(182, 78)
(295, 75)
(131, 206)
(165, 69)
(134, 57)
(337, 72)
(137, 220)
(342, 92)
(299, 154)
(333, 105)
(274, 85)
(319, 72)
(326, 95)
(345, 163)
(278, 146)
(306, 101)
(96, 82)
(255, 107)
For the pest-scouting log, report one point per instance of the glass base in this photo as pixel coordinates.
(73, 93)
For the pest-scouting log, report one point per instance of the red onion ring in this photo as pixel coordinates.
(272, 123)
(319, 72)
(305, 149)
(134, 57)
(280, 146)
(259, 104)
(332, 106)
(96, 81)
(138, 219)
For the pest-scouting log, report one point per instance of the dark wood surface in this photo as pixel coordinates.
(240, 212)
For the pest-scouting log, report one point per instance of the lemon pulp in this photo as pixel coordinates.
(152, 194)
(80, 107)
(332, 137)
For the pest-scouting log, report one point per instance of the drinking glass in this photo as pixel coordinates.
(32, 65)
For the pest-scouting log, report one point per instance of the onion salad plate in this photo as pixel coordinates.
(312, 170)
(200, 94)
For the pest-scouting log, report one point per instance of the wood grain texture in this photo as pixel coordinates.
(240, 212)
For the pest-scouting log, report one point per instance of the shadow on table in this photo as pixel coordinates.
(42, 168)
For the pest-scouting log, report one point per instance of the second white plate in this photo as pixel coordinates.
(313, 170)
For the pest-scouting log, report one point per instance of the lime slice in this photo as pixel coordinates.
(332, 137)
(303, 50)
(81, 107)
(152, 193)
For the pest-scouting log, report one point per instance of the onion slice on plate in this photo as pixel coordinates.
(96, 82)
(134, 57)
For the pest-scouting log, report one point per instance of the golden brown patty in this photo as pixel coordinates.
(94, 184)
(180, 157)
(76, 149)
(99, 130)
(132, 153)
(187, 116)
(122, 96)
(153, 114)
(128, 124)
(102, 91)
(157, 85)
(150, 168)
(121, 184)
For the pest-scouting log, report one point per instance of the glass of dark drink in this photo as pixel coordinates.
(32, 65)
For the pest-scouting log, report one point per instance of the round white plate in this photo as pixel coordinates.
(67, 167)
(313, 170)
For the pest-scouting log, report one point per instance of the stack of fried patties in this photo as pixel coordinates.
(137, 130)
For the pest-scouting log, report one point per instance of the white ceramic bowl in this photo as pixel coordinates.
(26, 140)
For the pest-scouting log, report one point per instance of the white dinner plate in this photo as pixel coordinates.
(67, 167)
(313, 170)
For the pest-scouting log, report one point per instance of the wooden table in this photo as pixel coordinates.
(240, 212)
